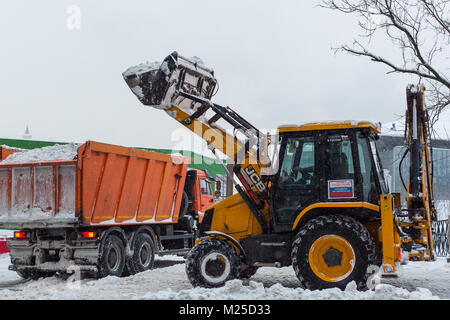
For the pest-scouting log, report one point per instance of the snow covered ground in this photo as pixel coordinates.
(420, 280)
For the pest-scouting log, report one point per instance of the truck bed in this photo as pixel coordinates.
(38, 194)
(105, 185)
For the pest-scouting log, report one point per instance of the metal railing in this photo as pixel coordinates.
(440, 237)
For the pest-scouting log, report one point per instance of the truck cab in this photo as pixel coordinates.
(199, 191)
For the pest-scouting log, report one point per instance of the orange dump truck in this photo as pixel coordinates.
(106, 212)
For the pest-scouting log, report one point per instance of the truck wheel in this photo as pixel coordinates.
(248, 272)
(211, 263)
(143, 253)
(331, 251)
(112, 257)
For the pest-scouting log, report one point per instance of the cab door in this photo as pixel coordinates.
(206, 195)
(296, 185)
(340, 183)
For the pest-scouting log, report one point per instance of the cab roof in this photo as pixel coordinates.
(330, 125)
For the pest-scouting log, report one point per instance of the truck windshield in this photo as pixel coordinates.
(378, 166)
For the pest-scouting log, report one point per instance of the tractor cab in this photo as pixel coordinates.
(325, 163)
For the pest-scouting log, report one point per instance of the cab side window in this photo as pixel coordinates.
(339, 160)
(205, 186)
(298, 162)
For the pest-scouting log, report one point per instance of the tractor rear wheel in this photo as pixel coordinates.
(211, 263)
(331, 251)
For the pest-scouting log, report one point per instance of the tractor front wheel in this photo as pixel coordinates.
(211, 263)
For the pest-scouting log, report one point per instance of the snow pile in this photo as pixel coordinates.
(142, 68)
(51, 153)
(236, 290)
(330, 122)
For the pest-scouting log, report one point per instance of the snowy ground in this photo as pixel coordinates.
(419, 280)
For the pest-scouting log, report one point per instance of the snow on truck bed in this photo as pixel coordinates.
(51, 153)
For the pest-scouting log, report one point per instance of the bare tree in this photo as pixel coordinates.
(420, 29)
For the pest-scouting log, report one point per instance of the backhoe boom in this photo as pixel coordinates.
(183, 88)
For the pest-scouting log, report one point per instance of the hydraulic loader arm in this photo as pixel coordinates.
(408, 231)
(419, 195)
(183, 88)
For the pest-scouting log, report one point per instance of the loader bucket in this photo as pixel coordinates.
(159, 84)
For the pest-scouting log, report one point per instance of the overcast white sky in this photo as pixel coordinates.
(273, 61)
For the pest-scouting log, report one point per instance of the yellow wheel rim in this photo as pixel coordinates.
(331, 258)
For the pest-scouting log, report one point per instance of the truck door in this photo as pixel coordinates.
(296, 186)
(206, 197)
(189, 188)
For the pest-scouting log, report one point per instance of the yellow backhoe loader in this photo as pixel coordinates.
(319, 202)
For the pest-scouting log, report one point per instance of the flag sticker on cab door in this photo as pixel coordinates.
(340, 189)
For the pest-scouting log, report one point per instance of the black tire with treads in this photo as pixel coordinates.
(143, 253)
(343, 226)
(200, 257)
(112, 257)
